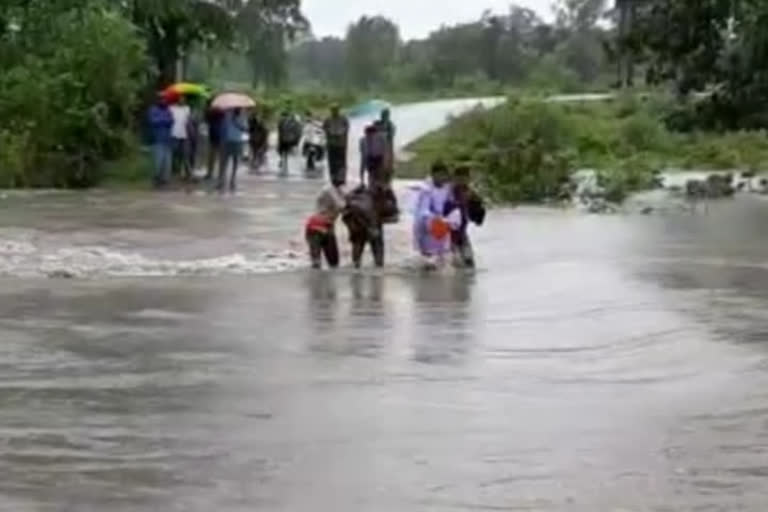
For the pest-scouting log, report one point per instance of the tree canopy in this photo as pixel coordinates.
(513, 48)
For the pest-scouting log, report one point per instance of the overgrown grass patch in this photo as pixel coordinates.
(525, 150)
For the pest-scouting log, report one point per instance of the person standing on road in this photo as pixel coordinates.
(213, 118)
(160, 121)
(386, 125)
(180, 134)
(337, 136)
(234, 127)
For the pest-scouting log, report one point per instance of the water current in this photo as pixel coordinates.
(593, 363)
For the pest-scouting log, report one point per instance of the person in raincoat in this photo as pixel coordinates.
(431, 225)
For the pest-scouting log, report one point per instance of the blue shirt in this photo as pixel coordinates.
(234, 128)
(160, 123)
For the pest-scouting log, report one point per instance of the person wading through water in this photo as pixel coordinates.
(373, 152)
(289, 133)
(431, 226)
(337, 136)
(471, 207)
(386, 125)
(320, 228)
(258, 140)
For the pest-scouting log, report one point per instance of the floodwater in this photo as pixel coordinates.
(593, 363)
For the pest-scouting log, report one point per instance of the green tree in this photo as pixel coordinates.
(716, 46)
(372, 48)
(267, 27)
(70, 77)
(172, 27)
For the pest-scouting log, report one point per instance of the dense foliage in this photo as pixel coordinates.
(719, 47)
(70, 76)
(525, 150)
(513, 49)
(74, 74)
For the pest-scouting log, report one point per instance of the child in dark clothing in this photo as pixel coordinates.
(363, 220)
(472, 209)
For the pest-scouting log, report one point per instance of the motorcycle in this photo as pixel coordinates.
(314, 145)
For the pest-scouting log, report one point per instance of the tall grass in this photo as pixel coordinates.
(525, 150)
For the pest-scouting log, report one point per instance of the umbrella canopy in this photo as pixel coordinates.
(230, 100)
(368, 108)
(185, 88)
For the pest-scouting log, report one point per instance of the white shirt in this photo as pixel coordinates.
(180, 115)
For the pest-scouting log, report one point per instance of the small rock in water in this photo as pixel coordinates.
(61, 274)
(715, 186)
(647, 210)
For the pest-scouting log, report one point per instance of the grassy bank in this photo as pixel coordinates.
(526, 149)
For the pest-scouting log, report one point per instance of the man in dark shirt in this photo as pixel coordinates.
(213, 118)
(337, 135)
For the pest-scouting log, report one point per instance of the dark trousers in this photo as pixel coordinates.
(461, 246)
(360, 238)
(214, 153)
(181, 158)
(376, 171)
(229, 155)
(337, 163)
(323, 245)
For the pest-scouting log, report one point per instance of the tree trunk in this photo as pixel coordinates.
(625, 62)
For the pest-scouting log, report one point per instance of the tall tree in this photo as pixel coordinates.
(267, 28)
(372, 48)
(172, 27)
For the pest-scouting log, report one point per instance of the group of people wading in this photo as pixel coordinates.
(445, 207)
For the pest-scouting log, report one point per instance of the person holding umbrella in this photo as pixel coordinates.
(234, 128)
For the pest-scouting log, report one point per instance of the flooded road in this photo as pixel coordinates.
(592, 364)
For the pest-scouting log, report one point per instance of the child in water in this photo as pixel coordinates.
(320, 227)
(471, 208)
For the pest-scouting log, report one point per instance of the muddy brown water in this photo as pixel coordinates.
(592, 364)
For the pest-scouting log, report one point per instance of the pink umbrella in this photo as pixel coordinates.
(231, 100)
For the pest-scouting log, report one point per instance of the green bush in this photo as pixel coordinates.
(525, 150)
(68, 101)
(521, 147)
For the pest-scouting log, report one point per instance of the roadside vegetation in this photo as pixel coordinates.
(525, 150)
(76, 76)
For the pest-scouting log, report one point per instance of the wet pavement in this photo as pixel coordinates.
(594, 363)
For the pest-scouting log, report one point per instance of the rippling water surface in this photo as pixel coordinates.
(592, 364)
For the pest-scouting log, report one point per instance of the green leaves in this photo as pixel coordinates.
(719, 46)
(67, 92)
